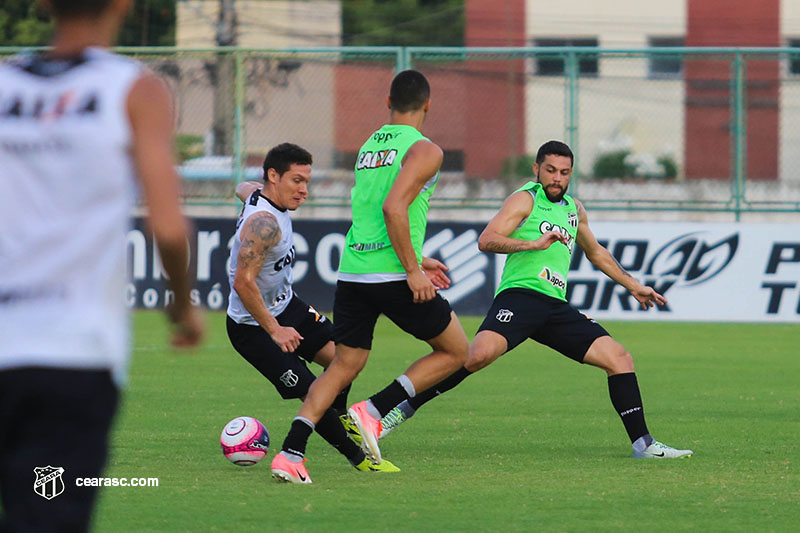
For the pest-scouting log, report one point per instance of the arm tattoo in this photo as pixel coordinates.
(581, 210)
(261, 234)
(510, 247)
(624, 272)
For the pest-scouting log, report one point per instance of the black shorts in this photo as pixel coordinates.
(288, 372)
(357, 306)
(59, 418)
(518, 314)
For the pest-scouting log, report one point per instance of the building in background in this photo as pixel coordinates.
(486, 113)
(283, 102)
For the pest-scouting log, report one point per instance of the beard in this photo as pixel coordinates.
(557, 193)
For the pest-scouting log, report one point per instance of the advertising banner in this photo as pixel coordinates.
(707, 271)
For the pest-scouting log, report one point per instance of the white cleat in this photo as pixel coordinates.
(657, 450)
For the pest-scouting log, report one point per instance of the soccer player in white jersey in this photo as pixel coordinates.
(78, 125)
(268, 324)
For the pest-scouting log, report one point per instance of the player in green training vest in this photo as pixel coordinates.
(382, 271)
(538, 227)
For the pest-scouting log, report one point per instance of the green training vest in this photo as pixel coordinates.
(542, 270)
(367, 246)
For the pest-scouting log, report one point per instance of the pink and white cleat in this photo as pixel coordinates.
(285, 470)
(370, 428)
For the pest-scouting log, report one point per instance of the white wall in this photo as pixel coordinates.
(298, 107)
(789, 164)
(622, 101)
(262, 24)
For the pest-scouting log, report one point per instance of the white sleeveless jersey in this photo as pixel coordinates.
(66, 190)
(274, 281)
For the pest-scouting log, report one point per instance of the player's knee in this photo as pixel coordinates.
(620, 361)
(347, 366)
(478, 359)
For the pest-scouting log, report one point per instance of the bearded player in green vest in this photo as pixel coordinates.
(382, 271)
(538, 227)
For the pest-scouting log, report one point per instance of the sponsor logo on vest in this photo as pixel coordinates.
(49, 107)
(546, 226)
(286, 260)
(382, 137)
(367, 246)
(48, 483)
(289, 378)
(381, 158)
(553, 278)
(281, 297)
(504, 315)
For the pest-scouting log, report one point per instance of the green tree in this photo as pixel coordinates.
(151, 23)
(23, 24)
(403, 22)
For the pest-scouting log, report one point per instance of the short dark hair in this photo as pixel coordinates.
(78, 8)
(554, 148)
(281, 157)
(409, 92)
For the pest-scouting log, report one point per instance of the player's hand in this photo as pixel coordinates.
(547, 239)
(647, 296)
(287, 338)
(420, 286)
(435, 270)
(188, 325)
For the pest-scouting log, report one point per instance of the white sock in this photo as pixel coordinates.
(407, 385)
(293, 458)
(372, 410)
(306, 421)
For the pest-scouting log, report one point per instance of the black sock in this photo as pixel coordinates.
(331, 429)
(340, 402)
(297, 438)
(385, 400)
(443, 386)
(625, 397)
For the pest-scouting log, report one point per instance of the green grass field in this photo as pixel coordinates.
(531, 443)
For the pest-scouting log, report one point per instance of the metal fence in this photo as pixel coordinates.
(681, 129)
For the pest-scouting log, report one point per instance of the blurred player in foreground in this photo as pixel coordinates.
(382, 271)
(538, 227)
(268, 324)
(78, 126)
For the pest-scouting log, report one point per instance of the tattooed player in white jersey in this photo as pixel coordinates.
(78, 127)
(268, 324)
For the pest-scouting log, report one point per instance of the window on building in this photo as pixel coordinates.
(662, 65)
(794, 59)
(555, 65)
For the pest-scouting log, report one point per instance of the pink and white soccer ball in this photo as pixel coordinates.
(244, 441)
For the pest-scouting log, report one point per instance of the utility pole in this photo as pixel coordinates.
(224, 86)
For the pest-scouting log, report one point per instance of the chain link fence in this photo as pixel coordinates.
(671, 129)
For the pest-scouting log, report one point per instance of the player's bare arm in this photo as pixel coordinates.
(495, 238)
(259, 234)
(607, 263)
(150, 112)
(422, 162)
(246, 188)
